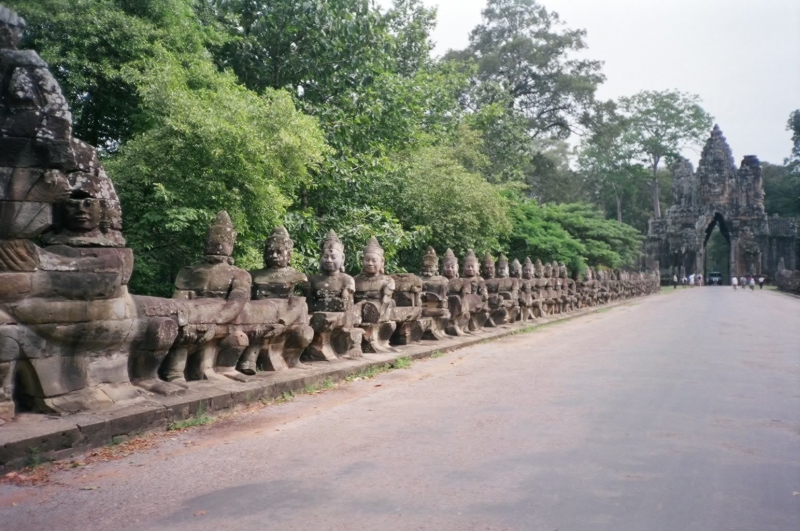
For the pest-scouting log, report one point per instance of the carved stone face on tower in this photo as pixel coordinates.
(539, 269)
(527, 269)
(221, 236)
(332, 259)
(516, 269)
(450, 265)
(502, 267)
(470, 264)
(373, 261)
(82, 214)
(12, 26)
(278, 249)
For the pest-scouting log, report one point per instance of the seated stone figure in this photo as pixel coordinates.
(217, 347)
(540, 283)
(526, 290)
(330, 300)
(279, 282)
(567, 288)
(407, 312)
(373, 299)
(458, 296)
(505, 289)
(435, 291)
(478, 307)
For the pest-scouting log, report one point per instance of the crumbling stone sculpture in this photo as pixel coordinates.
(279, 282)
(478, 306)
(373, 298)
(407, 312)
(528, 294)
(503, 291)
(435, 292)
(458, 299)
(330, 300)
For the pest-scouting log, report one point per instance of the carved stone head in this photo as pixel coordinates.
(502, 266)
(527, 269)
(516, 269)
(487, 267)
(430, 263)
(539, 269)
(450, 264)
(12, 26)
(278, 249)
(332, 259)
(562, 270)
(589, 274)
(220, 239)
(470, 264)
(548, 270)
(372, 263)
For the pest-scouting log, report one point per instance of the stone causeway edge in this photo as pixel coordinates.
(60, 437)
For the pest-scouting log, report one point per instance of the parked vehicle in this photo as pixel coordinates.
(714, 278)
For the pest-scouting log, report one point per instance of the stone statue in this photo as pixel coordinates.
(279, 282)
(458, 299)
(407, 312)
(479, 311)
(374, 299)
(330, 299)
(503, 293)
(540, 283)
(435, 291)
(568, 295)
(218, 349)
(528, 294)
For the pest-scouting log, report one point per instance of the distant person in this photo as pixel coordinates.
(699, 280)
(691, 279)
(734, 282)
(742, 282)
(685, 281)
(752, 283)
(675, 281)
(761, 282)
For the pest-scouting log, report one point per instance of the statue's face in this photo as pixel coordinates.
(502, 271)
(487, 270)
(332, 260)
(547, 271)
(10, 36)
(277, 255)
(563, 271)
(371, 264)
(83, 215)
(429, 270)
(527, 271)
(516, 271)
(470, 269)
(450, 270)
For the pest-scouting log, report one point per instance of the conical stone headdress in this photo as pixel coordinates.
(516, 269)
(373, 247)
(332, 241)
(488, 261)
(470, 257)
(279, 238)
(430, 259)
(221, 236)
(450, 257)
(503, 261)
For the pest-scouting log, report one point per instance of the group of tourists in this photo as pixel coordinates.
(750, 281)
(743, 281)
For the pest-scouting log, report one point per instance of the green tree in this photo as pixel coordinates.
(91, 45)
(211, 145)
(525, 60)
(660, 124)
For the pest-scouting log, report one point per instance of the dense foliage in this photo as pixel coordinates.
(332, 114)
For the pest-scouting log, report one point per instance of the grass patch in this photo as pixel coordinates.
(602, 310)
(525, 329)
(437, 354)
(199, 419)
(34, 457)
(401, 363)
(324, 385)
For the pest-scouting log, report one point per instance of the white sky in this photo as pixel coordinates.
(741, 56)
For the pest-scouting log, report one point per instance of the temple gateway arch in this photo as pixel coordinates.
(719, 195)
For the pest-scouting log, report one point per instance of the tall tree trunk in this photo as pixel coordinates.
(656, 191)
(619, 208)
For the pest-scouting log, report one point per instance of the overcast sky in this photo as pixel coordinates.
(741, 56)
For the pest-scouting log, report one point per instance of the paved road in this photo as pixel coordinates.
(678, 412)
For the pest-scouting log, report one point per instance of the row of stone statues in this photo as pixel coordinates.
(372, 312)
(73, 338)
